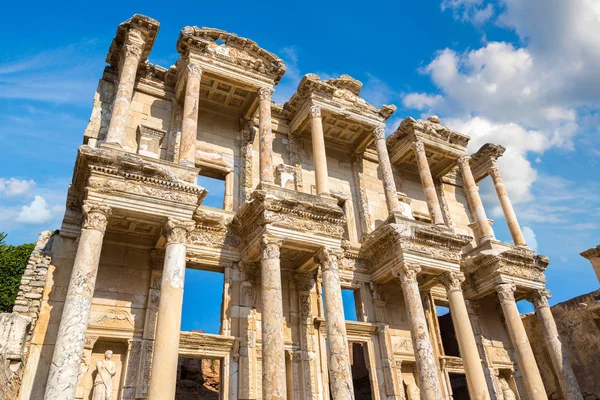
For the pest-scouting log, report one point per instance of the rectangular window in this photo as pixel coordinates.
(202, 298)
(349, 298)
(216, 191)
(447, 332)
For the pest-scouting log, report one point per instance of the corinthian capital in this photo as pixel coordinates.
(265, 93)
(176, 230)
(452, 280)
(315, 111)
(271, 246)
(328, 258)
(379, 132)
(193, 70)
(506, 291)
(418, 147)
(494, 171)
(463, 161)
(133, 50)
(95, 216)
(407, 272)
(539, 297)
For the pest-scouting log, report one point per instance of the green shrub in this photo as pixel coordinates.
(13, 260)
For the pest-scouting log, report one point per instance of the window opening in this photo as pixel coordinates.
(202, 298)
(198, 378)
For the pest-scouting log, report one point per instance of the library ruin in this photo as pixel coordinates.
(317, 202)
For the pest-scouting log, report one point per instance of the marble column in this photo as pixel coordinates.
(273, 353)
(340, 373)
(532, 379)
(469, 353)
(431, 197)
(560, 362)
(68, 350)
(385, 166)
(265, 131)
(318, 147)
(475, 204)
(130, 59)
(163, 374)
(429, 382)
(189, 127)
(507, 208)
(305, 284)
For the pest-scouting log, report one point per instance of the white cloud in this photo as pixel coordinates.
(421, 101)
(530, 238)
(38, 212)
(474, 11)
(15, 187)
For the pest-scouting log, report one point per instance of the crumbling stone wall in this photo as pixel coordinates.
(579, 330)
(16, 327)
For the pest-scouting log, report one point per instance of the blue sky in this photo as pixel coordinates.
(521, 74)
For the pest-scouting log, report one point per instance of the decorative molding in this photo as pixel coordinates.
(176, 231)
(506, 292)
(539, 298)
(452, 280)
(271, 247)
(265, 93)
(407, 272)
(315, 112)
(95, 216)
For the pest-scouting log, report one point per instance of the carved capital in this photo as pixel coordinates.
(133, 50)
(271, 246)
(193, 70)
(463, 161)
(494, 171)
(315, 111)
(452, 280)
(95, 216)
(328, 258)
(539, 298)
(506, 291)
(305, 281)
(407, 272)
(418, 147)
(176, 230)
(265, 93)
(379, 132)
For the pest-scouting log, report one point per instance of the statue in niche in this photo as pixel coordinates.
(507, 392)
(412, 391)
(105, 370)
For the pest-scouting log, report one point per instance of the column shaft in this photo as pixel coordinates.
(560, 362)
(340, 373)
(531, 375)
(433, 203)
(389, 185)
(132, 53)
(507, 208)
(475, 204)
(68, 350)
(319, 156)
(163, 374)
(265, 131)
(429, 383)
(469, 353)
(189, 127)
(273, 351)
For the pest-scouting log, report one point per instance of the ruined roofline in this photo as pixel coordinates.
(594, 252)
(193, 37)
(146, 26)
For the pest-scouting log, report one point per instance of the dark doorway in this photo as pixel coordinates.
(360, 373)
(198, 379)
(458, 383)
(447, 333)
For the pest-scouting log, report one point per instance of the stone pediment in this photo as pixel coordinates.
(228, 49)
(342, 93)
(401, 239)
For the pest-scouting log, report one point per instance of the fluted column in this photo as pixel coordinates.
(478, 389)
(433, 203)
(163, 374)
(68, 350)
(507, 208)
(560, 362)
(273, 355)
(389, 185)
(265, 131)
(340, 372)
(189, 127)
(475, 204)
(319, 156)
(132, 53)
(429, 383)
(532, 379)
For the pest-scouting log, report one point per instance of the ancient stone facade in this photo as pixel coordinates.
(317, 200)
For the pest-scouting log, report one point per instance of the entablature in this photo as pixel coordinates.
(348, 120)
(144, 27)
(443, 146)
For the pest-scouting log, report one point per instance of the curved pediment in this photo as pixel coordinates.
(231, 49)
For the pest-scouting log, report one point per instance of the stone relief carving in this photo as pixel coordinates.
(507, 392)
(95, 217)
(103, 383)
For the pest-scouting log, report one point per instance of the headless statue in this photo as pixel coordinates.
(105, 370)
(507, 392)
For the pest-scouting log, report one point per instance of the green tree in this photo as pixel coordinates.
(13, 260)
